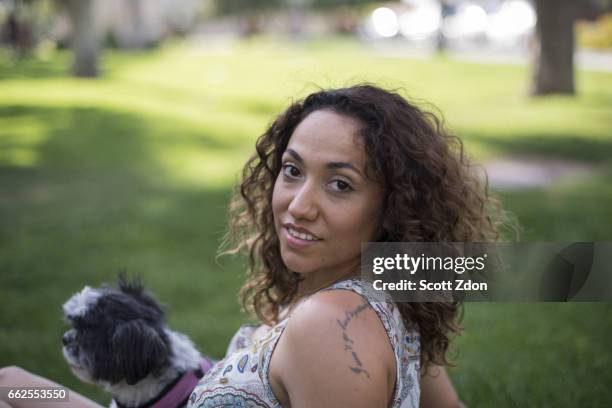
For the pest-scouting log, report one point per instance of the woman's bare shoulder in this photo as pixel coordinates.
(336, 306)
(333, 346)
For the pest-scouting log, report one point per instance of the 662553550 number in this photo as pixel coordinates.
(35, 393)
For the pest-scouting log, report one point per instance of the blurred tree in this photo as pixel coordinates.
(345, 18)
(252, 12)
(446, 9)
(296, 16)
(17, 29)
(137, 39)
(249, 11)
(245, 6)
(338, 3)
(85, 39)
(345, 12)
(553, 68)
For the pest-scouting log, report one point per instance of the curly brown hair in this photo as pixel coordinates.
(432, 194)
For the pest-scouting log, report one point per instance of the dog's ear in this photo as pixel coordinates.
(138, 350)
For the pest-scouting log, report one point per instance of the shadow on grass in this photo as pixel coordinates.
(34, 68)
(93, 200)
(573, 147)
(576, 212)
(82, 139)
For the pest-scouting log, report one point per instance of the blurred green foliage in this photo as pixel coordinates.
(135, 170)
(249, 6)
(596, 34)
(245, 6)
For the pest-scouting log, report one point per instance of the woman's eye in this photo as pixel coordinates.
(291, 171)
(342, 186)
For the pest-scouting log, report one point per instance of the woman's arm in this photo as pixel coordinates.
(437, 391)
(334, 352)
(18, 377)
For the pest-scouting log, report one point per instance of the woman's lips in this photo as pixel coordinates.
(297, 242)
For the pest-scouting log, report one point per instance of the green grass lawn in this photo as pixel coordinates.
(135, 170)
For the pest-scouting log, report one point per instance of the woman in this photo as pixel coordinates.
(339, 168)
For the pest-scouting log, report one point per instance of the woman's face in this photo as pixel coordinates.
(324, 206)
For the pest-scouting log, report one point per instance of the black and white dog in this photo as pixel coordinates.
(119, 340)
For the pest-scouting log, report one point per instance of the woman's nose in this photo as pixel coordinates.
(304, 203)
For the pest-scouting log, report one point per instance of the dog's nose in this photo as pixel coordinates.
(66, 338)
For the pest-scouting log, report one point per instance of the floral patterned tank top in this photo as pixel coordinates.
(241, 378)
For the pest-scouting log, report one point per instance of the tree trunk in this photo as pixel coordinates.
(18, 30)
(296, 21)
(445, 11)
(297, 15)
(85, 41)
(137, 34)
(553, 68)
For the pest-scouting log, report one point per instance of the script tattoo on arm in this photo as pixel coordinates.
(356, 366)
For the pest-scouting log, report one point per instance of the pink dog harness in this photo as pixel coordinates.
(179, 393)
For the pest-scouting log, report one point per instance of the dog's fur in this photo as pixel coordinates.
(119, 340)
